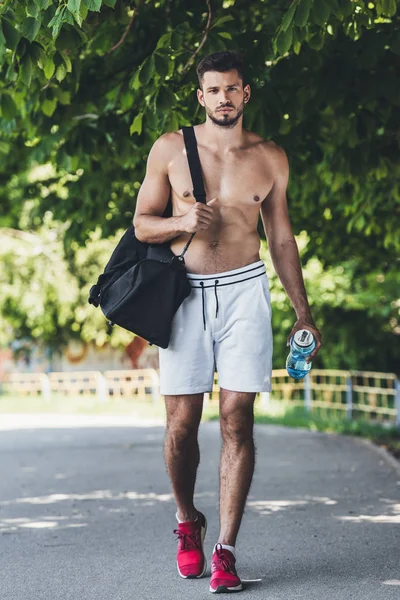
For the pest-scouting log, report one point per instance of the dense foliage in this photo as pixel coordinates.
(86, 87)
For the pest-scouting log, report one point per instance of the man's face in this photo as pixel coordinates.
(223, 97)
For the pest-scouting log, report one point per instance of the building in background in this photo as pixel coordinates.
(26, 357)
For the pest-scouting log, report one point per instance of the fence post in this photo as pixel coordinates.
(397, 401)
(349, 397)
(45, 386)
(307, 392)
(264, 401)
(155, 386)
(101, 387)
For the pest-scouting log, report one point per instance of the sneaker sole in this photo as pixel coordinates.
(202, 536)
(223, 589)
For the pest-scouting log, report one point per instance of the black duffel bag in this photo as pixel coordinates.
(143, 285)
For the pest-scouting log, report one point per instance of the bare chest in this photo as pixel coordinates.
(239, 182)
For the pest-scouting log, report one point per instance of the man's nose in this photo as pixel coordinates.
(224, 98)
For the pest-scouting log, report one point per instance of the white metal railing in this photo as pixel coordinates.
(77, 383)
(138, 383)
(347, 393)
(132, 383)
(27, 384)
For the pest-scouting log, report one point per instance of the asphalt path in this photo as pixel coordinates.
(86, 512)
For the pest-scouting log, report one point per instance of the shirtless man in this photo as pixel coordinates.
(226, 320)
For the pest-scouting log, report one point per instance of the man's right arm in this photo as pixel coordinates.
(150, 225)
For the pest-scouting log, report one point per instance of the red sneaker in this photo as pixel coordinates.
(223, 572)
(190, 558)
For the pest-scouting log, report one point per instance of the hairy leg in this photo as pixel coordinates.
(237, 460)
(182, 454)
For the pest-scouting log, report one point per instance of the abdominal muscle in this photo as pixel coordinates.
(232, 247)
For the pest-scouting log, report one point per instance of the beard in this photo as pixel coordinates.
(225, 120)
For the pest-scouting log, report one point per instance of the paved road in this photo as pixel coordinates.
(86, 513)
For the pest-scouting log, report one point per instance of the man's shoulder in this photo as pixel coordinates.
(269, 147)
(166, 146)
(169, 140)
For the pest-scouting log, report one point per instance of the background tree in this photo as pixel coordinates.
(87, 86)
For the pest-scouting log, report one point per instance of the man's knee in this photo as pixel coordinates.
(237, 425)
(180, 432)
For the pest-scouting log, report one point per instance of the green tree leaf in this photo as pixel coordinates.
(221, 20)
(63, 96)
(335, 8)
(30, 28)
(57, 21)
(26, 69)
(147, 70)
(43, 4)
(83, 12)
(67, 62)
(389, 8)
(74, 6)
(61, 72)
(94, 5)
(49, 68)
(37, 54)
(303, 12)
(161, 65)
(136, 126)
(288, 18)
(284, 41)
(48, 107)
(8, 107)
(164, 99)
(32, 10)
(11, 35)
(320, 12)
(164, 41)
(225, 34)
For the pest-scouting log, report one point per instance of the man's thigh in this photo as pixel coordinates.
(184, 411)
(243, 351)
(187, 365)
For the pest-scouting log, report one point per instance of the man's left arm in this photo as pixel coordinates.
(283, 248)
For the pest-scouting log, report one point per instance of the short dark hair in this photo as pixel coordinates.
(222, 61)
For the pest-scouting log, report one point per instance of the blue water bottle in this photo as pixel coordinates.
(301, 346)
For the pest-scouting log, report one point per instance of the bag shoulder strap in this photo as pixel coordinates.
(195, 171)
(194, 164)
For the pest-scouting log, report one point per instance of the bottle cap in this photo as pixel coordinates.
(303, 338)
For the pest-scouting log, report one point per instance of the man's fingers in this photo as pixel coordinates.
(204, 221)
(202, 209)
(291, 334)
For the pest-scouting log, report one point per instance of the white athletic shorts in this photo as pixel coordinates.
(224, 325)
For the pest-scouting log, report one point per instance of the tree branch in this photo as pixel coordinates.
(123, 38)
(203, 41)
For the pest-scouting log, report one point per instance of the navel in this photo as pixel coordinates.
(256, 198)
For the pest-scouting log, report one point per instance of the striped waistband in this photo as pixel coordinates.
(251, 271)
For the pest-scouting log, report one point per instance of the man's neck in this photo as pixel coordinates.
(223, 139)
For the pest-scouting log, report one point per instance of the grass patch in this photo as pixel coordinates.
(385, 435)
(140, 408)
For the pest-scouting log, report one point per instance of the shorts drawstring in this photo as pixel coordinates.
(216, 297)
(203, 303)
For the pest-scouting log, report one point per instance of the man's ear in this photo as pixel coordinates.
(247, 93)
(200, 96)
